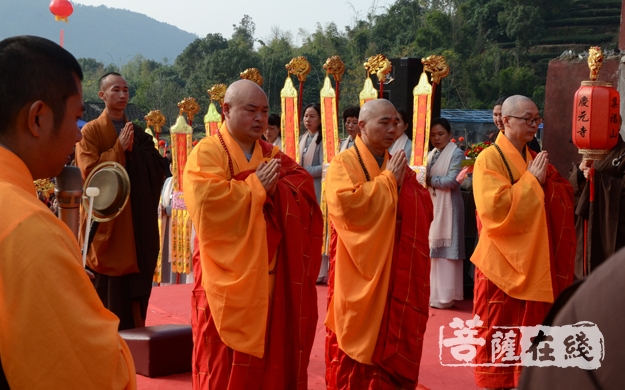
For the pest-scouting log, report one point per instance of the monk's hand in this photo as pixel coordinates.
(585, 166)
(397, 166)
(126, 136)
(268, 174)
(538, 167)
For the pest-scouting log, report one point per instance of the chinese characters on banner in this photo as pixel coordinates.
(580, 345)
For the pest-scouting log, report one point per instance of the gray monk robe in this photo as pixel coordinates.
(605, 215)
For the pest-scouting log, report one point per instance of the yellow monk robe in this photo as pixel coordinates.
(254, 299)
(364, 218)
(54, 331)
(513, 250)
(525, 255)
(237, 274)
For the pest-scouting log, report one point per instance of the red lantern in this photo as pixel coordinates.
(61, 9)
(596, 121)
(161, 143)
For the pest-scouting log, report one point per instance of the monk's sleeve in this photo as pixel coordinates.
(55, 331)
(560, 219)
(222, 209)
(152, 157)
(513, 251)
(88, 155)
(503, 207)
(228, 218)
(362, 213)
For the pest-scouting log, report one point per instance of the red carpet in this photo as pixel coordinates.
(172, 305)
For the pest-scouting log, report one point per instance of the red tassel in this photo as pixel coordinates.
(591, 182)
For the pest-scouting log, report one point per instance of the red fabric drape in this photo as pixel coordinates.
(398, 349)
(296, 236)
(496, 308)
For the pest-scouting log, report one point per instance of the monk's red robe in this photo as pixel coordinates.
(397, 354)
(294, 231)
(494, 305)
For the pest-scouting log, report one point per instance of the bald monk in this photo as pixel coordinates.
(380, 263)
(54, 331)
(259, 232)
(526, 249)
(124, 251)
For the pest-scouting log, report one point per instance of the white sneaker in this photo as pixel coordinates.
(439, 305)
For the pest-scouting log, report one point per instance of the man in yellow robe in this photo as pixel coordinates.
(54, 331)
(526, 249)
(259, 234)
(379, 267)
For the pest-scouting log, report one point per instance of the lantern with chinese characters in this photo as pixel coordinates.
(596, 121)
(61, 9)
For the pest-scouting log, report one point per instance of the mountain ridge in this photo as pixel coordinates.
(110, 35)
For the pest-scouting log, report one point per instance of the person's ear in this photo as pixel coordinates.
(361, 125)
(505, 120)
(226, 109)
(40, 118)
(101, 95)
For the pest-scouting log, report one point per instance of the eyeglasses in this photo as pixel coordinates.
(528, 120)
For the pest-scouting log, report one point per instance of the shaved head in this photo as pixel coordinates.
(514, 104)
(371, 107)
(104, 80)
(241, 88)
(521, 118)
(246, 110)
(378, 125)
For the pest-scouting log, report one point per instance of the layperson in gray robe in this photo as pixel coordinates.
(447, 230)
(311, 159)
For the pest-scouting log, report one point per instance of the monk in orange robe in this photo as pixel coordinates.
(380, 266)
(526, 250)
(124, 251)
(259, 232)
(54, 331)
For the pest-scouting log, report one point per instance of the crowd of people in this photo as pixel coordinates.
(395, 247)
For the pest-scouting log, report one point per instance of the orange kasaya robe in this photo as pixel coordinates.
(54, 331)
(526, 250)
(124, 251)
(254, 301)
(100, 144)
(379, 274)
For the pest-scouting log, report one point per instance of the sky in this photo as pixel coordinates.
(202, 17)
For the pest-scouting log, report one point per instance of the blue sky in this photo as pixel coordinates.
(208, 16)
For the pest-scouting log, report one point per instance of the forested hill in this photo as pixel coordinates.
(493, 48)
(106, 34)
